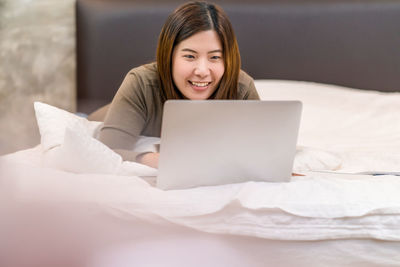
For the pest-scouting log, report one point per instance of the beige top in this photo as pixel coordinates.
(137, 109)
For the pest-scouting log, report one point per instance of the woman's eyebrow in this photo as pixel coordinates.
(215, 51)
(188, 50)
(192, 51)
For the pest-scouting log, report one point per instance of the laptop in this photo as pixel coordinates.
(215, 142)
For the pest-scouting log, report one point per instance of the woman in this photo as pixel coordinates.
(197, 58)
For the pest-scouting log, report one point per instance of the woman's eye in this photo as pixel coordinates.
(189, 56)
(215, 57)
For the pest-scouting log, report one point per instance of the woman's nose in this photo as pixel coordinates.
(202, 69)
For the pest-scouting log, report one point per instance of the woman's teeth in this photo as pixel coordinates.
(199, 84)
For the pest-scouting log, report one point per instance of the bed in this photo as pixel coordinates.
(70, 201)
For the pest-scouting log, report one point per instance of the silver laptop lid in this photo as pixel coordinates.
(215, 142)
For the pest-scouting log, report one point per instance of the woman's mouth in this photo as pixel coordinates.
(199, 85)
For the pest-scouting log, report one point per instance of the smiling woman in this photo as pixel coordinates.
(197, 65)
(197, 59)
(200, 25)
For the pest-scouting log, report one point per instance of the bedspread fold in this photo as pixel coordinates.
(315, 207)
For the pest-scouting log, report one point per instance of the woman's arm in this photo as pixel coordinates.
(149, 159)
(125, 118)
(135, 110)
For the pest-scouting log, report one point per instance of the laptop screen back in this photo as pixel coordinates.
(215, 142)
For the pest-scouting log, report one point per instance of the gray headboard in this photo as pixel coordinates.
(350, 43)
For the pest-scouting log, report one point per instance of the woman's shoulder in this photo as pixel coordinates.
(141, 84)
(146, 73)
(245, 84)
(143, 79)
(244, 78)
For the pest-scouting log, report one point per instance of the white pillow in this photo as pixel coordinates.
(69, 144)
(53, 121)
(81, 153)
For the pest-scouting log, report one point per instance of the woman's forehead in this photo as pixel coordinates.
(208, 41)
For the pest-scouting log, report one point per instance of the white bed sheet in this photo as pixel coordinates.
(333, 209)
(182, 247)
(362, 126)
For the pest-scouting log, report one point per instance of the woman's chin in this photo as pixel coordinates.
(197, 97)
(198, 94)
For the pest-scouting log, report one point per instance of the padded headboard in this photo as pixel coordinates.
(350, 43)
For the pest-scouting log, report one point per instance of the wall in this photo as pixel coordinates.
(37, 63)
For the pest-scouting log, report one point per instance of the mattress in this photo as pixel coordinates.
(343, 212)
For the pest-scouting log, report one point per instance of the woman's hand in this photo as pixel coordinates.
(150, 159)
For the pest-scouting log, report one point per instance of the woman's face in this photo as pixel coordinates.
(198, 65)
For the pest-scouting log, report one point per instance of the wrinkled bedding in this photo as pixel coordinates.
(344, 132)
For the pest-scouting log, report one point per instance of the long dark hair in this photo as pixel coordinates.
(185, 21)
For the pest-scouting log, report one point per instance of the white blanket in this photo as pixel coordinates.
(318, 206)
(363, 127)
